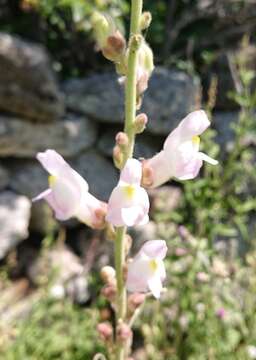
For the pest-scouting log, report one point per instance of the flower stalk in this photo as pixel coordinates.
(130, 88)
(130, 115)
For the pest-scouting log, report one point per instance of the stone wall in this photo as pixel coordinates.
(79, 119)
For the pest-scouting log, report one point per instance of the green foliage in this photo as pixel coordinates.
(79, 11)
(55, 330)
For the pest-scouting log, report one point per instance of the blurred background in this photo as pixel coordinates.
(57, 91)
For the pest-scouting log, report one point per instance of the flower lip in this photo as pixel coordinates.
(52, 180)
(129, 191)
(153, 265)
(195, 139)
(128, 203)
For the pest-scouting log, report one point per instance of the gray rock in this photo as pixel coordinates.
(54, 262)
(4, 177)
(171, 95)
(14, 220)
(27, 177)
(99, 96)
(77, 289)
(100, 173)
(67, 281)
(245, 56)
(42, 220)
(223, 122)
(145, 147)
(27, 84)
(24, 139)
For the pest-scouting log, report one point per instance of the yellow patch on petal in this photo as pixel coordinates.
(153, 265)
(52, 180)
(196, 140)
(129, 191)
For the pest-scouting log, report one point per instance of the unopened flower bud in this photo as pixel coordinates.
(135, 300)
(108, 275)
(145, 20)
(146, 58)
(109, 292)
(102, 28)
(124, 332)
(118, 157)
(105, 331)
(100, 214)
(122, 139)
(114, 47)
(117, 42)
(147, 175)
(140, 123)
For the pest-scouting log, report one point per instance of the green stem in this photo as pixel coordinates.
(130, 88)
(119, 264)
(130, 114)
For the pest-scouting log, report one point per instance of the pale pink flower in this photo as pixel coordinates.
(221, 313)
(146, 272)
(202, 276)
(180, 157)
(129, 204)
(68, 192)
(105, 331)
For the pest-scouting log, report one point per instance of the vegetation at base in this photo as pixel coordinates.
(55, 330)
(208, 311)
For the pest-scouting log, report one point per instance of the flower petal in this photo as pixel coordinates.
(161, 270)
(190, 170)
(65, 198)
(132, 172)
(207, 158)
(87, 211)
(155, 286)
(128, 209)
(138, 275)
(131, 215)
(42, 195)
(155, 249)
(193, 124)
(161, 167)
(51, 161)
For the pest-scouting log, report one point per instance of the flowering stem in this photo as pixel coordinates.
(119, 263)
(130, 88)
(130, 114)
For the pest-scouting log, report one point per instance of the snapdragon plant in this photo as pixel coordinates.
(128, 284)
